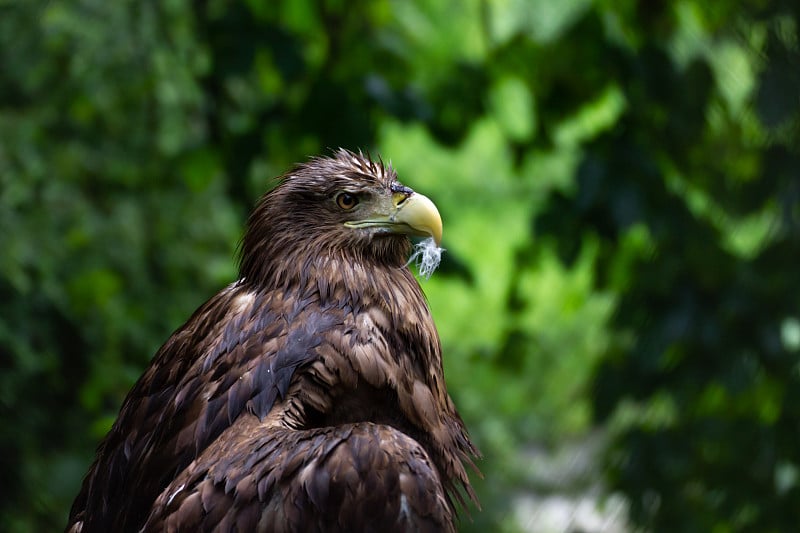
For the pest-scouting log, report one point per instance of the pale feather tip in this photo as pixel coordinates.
(427, 256)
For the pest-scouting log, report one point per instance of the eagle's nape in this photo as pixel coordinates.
(304, 394)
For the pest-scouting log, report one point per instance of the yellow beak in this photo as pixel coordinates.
(409, 214)
(419, 213)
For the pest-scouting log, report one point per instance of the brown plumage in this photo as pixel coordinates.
(308, 395)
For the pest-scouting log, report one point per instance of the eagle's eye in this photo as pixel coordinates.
(346, 201)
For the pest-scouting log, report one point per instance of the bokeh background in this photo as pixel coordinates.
(620, 187)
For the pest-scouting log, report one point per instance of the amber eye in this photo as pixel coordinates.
(346, 201)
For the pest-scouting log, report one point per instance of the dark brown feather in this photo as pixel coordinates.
(308, 393)
(355, 477)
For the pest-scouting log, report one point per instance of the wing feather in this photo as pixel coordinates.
(355, 477)
(193, 391)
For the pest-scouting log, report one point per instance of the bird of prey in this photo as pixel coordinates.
(306, 396)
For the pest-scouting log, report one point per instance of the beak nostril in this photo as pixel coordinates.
(400, 198)
(400, 193)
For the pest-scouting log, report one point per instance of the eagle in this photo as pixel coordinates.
(309, 394)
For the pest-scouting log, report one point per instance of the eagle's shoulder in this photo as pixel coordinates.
(237, 353)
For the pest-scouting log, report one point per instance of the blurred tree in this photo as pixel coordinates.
(693, 199)
(618, 182)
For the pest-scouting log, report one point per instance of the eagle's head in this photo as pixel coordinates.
(346, 207)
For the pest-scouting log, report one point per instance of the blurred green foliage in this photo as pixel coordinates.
(620, 184)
